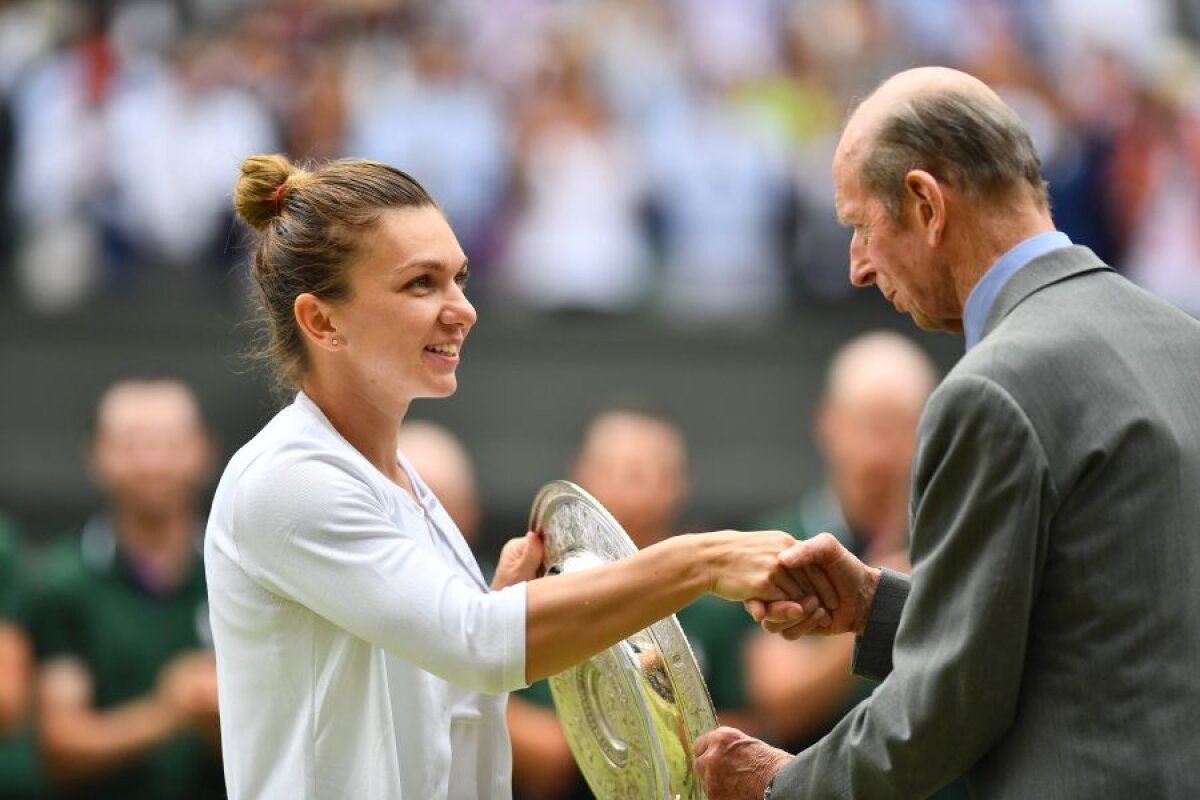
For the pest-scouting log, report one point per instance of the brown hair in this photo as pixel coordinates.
(311, 220)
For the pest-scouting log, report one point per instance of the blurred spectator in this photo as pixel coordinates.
(440, 459)
(635, 464)
(575, 146)
(719, 182)
(865, 429)
(176, 131)
(60, 170)
(1157, 155)
(127, 682)
(434, 119)
(20, 770)
(576, 242)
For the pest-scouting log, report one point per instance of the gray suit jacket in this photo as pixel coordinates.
(1050, 644)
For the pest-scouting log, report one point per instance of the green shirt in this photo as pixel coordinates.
(94, 608)
(20, 771)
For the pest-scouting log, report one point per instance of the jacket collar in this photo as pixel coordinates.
(1047, 270)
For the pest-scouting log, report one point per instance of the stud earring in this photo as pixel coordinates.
(334, 342)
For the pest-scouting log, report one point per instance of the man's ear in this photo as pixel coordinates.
(314, 317)
(929, 202)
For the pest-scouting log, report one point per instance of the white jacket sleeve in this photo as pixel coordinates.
(312, 531)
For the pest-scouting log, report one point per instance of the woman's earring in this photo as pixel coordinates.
(334, 342)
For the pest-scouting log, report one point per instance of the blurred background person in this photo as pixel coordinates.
(865, 428)
(435, 115)
(20, 769)
(443, 463)
(634, 462)
(866, 431)
(576, 241)
(127, 682)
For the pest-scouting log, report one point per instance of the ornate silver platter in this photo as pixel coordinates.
(631, 712)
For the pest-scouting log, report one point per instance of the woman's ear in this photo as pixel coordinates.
(313, 316)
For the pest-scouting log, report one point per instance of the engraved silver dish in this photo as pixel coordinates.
(631, 712)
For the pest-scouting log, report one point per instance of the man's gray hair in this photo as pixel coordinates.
(981, 148)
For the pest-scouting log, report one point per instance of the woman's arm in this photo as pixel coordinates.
(574, 615)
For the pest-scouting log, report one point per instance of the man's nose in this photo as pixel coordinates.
(861, 272)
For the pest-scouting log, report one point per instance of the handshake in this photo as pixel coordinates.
(817, 587)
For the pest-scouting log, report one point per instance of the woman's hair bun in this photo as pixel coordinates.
(257, 192)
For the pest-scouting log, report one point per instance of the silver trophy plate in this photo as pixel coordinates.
(631, 712)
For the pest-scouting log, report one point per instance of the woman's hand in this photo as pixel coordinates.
(520, 560)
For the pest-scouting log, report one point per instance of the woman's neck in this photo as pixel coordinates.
(367, 423)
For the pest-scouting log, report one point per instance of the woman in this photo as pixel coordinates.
(359, 651)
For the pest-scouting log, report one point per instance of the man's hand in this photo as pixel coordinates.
(854, 582)
(520, 560)
(734, 766)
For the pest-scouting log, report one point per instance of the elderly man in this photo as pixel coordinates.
(1048, 641)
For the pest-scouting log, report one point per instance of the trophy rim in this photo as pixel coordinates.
(675, 690)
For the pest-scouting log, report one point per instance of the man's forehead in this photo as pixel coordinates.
(147, 407)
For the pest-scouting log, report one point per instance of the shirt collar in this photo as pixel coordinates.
(983, 296)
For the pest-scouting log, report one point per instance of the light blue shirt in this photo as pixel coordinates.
(983, 296)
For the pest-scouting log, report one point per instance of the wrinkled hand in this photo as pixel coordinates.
(734, 766)
(520, 560)
(853, 581)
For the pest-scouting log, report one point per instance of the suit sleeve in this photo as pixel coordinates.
(982, 495)
(873, 650)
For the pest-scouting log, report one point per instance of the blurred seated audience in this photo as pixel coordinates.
(127, 695)
(627, 156)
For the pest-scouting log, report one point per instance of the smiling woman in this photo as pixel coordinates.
(359, 651)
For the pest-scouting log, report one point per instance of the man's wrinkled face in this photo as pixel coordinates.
(892, 254)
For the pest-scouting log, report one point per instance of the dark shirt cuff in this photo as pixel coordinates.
(873, 650)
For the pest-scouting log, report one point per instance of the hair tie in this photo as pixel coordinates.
(279, 196)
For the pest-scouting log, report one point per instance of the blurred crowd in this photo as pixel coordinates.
(668, 157)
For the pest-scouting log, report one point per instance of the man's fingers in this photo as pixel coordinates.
(819, 550)
(790, 585)
(823, 586)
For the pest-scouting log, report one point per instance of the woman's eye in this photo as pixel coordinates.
(419, 283)
(461, 278)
